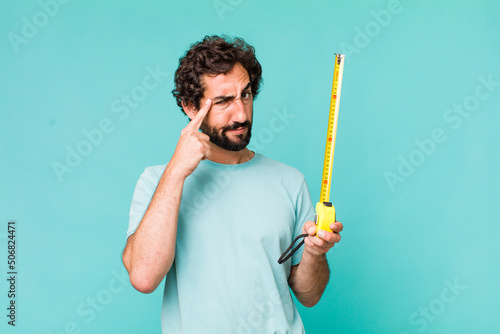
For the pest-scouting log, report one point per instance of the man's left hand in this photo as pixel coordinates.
(322, 242)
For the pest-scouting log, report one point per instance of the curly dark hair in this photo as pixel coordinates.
(213, 55)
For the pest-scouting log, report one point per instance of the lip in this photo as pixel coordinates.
(240, 130)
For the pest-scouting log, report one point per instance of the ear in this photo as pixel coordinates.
(189, 109)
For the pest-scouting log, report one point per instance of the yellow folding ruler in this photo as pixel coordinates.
(325, 211)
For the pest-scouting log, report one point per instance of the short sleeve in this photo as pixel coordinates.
(143, 193)
(304, 211)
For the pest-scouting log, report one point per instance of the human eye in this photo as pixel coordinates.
(221, 102)
(246, 95)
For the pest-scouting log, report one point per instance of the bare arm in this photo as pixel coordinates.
(309, 278)
(150, 251)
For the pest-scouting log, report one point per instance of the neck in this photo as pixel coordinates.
(227, 157)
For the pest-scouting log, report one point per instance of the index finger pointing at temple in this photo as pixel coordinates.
(198, 119)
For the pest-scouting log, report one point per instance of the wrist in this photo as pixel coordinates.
(175, 173)
(314, 255)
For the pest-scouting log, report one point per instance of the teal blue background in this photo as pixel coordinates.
(399, 246)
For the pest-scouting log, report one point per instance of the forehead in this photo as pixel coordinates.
(229, 83)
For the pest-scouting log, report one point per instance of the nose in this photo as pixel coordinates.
(239, 114)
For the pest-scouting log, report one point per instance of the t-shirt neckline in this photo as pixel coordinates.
(245, 164)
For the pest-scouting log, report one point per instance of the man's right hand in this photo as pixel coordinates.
(193, 145)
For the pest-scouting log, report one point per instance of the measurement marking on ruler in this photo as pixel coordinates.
(325, 211)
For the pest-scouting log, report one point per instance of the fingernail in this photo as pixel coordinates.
(321, 233)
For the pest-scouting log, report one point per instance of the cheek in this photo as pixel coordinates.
(217, 121)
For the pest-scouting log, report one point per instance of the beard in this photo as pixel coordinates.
(223, 141)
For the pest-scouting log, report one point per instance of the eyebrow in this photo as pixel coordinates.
(229, 97)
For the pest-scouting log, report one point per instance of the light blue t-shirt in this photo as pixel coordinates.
(234, 223)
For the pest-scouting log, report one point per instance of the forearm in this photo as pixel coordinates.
(310, 278)
(150, 251)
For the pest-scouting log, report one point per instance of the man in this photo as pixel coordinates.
(217, 216)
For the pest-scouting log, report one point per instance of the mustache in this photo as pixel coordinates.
(237, 125)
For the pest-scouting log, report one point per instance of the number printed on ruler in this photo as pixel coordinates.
(332, 127)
